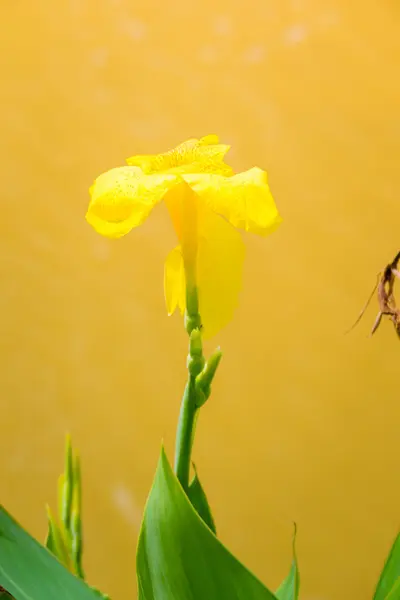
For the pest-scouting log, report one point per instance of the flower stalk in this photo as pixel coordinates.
(197, 391)
(189, 407)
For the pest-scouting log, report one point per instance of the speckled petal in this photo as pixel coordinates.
(245, 199)
(122, 199)
(205, 155)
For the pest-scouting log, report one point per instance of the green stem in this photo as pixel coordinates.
(185, 433)
(195, 364)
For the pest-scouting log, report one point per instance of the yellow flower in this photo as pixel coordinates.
(206, 202)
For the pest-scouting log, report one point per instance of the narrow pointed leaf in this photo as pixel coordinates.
(59, 549)
(179, 558)
(28, 571)
(289, 588)
(198, 498)
(49, 543)
(100, 594)
(67, 485)
(390, 573)
(76, 520)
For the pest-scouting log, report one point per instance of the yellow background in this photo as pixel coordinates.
(303, 423)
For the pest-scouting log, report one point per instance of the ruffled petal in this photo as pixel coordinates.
(205, 155)
(245, 199)
(174, 281)
(122, 199)
(219, 270)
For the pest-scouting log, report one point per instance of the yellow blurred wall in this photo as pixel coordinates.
(304, 422)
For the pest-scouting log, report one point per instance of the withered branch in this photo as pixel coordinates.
(386, 298)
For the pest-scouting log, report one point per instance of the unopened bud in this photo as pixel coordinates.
(192, 321)
(205, 378)
(195, 360)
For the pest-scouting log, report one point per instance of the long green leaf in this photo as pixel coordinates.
(30, 572)
(390, 573)
(289, 588)
(394, 593)
(179, 558)
(198, 498)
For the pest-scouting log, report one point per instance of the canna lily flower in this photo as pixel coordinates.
(207, 203)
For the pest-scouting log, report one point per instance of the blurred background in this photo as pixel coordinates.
(303, 422)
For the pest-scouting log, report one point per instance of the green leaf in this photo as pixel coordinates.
(394, 593)
(289, 588)
(198, 498)
(29, 571)
(57, 542)
(179, 558)
(49, 542)
(100, 594)
(67, 485)
(390, 573)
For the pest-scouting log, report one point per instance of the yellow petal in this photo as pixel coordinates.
(219, 270)
(244, 199)
(182, 204)
(122, 199)
(207, 140)
(174, 281)
(193, 156)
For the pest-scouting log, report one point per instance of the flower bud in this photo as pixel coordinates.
(206, 376)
